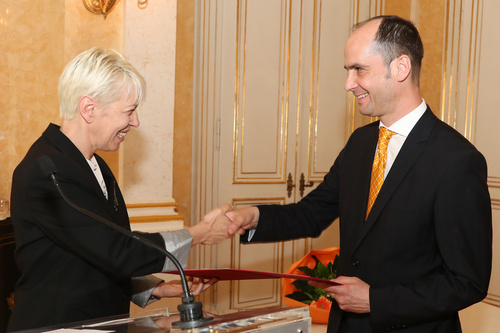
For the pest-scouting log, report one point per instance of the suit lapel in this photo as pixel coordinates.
(410, 152)
(356, 161)
(365, 170)
(64, 144)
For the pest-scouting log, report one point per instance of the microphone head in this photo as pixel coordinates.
(47, 165)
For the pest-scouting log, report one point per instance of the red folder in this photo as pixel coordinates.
(244, 274)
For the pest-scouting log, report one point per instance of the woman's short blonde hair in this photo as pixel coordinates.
(100, 73)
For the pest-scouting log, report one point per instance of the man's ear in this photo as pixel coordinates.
(403, 67)
(86, 107)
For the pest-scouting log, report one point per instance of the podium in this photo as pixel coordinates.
(270, 320)
(10, 272)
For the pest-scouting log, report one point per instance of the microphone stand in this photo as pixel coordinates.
(191, 312)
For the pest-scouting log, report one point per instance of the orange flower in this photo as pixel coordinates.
(322, 303)
(320, 309)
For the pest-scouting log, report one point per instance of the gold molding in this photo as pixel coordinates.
(152, 205)
(492, 300)
(155, 218)
(314, 93)
(493, 182)
(460, 73)
(473, 70)
(495, 204)
(251, 201)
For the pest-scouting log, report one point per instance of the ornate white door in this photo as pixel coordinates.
(272, 110)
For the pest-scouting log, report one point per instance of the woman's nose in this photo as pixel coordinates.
(134, 120)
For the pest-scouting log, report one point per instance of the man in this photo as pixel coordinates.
(418, 252)
(72, 266)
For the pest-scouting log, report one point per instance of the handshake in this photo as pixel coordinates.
(222, 223)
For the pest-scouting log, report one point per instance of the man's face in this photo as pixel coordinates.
(368, 77)
(114, 121)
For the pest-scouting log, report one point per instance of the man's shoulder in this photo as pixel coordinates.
(450, 135)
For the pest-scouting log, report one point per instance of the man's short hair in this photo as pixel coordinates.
(395, 37)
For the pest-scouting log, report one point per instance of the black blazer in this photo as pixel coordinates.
(425, 249)
(72, 267)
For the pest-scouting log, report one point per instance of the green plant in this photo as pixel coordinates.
(308, 294)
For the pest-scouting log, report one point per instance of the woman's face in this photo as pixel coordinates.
(114, 121)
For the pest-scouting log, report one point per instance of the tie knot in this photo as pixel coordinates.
(384, 136)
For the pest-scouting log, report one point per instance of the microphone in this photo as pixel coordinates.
(191, 312)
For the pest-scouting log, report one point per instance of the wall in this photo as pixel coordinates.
(38, 38)
(181, 184)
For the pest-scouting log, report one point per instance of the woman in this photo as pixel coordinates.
(72, 266)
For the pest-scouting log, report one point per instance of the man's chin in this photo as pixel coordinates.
(366, 112)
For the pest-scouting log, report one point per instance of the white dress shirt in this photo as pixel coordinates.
(402, 128)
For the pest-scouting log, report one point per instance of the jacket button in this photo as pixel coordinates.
(355, 262)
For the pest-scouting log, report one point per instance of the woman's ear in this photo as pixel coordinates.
(403, 67)
(86, 106)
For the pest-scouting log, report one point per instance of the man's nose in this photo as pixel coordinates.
(350, 82)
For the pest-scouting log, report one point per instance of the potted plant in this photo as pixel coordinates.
(317, 263)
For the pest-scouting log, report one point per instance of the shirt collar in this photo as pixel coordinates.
(404, 125)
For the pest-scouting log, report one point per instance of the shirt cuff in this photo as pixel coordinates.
(251, 232)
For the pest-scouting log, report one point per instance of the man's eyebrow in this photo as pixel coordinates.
(355, 65)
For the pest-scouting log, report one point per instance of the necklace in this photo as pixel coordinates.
(93, 163)
(98, 174)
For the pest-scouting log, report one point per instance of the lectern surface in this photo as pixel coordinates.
(270, 320)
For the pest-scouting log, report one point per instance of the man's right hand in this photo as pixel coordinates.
(242, 219)
(212, 229)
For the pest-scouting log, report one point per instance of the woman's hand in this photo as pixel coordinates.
(174, 288)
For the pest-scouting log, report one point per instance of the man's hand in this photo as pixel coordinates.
(212, 229)
(242, 219)
(352, 294)
(174, 288)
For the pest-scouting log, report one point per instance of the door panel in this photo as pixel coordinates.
(259, 88)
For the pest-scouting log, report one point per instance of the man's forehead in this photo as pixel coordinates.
(361, 40)
(361, 55)
(366, 32)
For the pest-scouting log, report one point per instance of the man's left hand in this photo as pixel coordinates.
(351, 293)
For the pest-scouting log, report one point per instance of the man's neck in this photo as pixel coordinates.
(404, 106)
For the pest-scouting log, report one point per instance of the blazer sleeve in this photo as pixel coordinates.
(142, 289)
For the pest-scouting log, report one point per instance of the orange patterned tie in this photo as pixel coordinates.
(378, 166)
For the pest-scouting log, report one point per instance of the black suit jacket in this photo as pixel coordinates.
(72, 267)
(425, 249)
